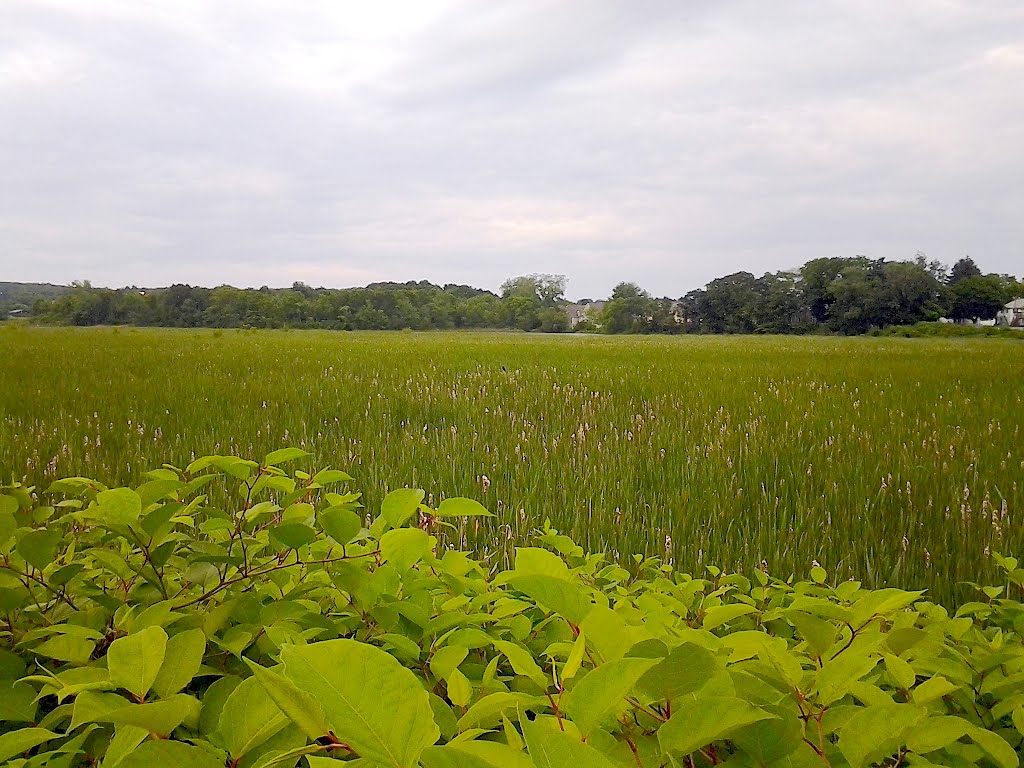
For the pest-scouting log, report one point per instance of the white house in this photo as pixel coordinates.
(1012, 315)
(589, 310)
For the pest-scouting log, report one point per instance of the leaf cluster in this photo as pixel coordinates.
(153, 626)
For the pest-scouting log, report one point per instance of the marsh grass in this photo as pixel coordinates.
(889, 460)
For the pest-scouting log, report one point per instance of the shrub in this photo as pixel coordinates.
(232, 613)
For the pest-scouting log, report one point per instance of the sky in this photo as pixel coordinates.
(665, 142)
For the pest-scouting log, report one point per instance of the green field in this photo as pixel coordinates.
(893, 461)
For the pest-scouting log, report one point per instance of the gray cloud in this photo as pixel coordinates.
(465, 141)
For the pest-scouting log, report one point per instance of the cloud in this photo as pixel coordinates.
(465, 141)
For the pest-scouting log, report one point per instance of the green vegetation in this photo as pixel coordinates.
(891, 461)
(230, 613)
(832, 295)
(949, 331)
(22, 297)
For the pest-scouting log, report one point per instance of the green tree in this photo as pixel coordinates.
(553, 320)
(549, 290)
(977, 298)
(964, 269)
(859, 297)
(817, 276)
(913, 291)
(629, 310)
(730, 304)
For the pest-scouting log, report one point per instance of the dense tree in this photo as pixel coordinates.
(831, 295)
(860, 299)
(978, 298)
(548, 290)
(528, 296)
(913, 292)
(964, 269)
(781, 307)
(629, 310)
(730, 304)
(817, 276)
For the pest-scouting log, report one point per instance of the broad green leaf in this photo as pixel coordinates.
(8, 506)
(1001, 753)
(774, 651)
(170, 754)
(292, 535)
(723, 614)
(119, 506)
(522, 662)
(932, 689)
(331, 476)
(834, 679)
(900, 671)
(488, 711)
(512, 736)
(876, 732)
(249, 718)
(398, 506)
(702, 720)
(936, 733)
(182, 659)
(8, 524)
(404, 547)
(93, 707)
(601, 692)
(340, 524)
(126, 739)
(372, 703)
(534, 561)
(17, 702)
(283, 455)
(446, 659)
(75, 650)
(39, 547)
(881, 602)
(555, 594)
(608, 633)
(214, 699)
(460, 691)
(819, 634)
(16, 742)
(155, 490)
(134, 661)
(575, 660)
(158, 717)
(768, 741)
(475, 754)
(461, 507)
(550, 747)
(12, 599)
(299, 705)
(686, 669)
(12, 666)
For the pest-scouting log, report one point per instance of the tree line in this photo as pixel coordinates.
(831, 295)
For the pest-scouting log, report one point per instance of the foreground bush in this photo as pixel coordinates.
(157, 626)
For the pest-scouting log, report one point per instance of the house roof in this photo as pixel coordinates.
(1015, 304)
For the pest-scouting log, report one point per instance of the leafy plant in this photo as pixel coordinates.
(149, 626)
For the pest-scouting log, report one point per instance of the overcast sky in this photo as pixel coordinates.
(666, 142)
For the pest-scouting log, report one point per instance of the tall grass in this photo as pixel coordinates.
(888, 460)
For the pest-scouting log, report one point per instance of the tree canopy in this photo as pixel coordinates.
(833, 295)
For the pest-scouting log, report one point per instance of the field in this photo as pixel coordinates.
(893, 461)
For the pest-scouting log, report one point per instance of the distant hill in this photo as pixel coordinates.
(24, 295)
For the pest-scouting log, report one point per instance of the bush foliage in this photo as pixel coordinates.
(235, 614)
